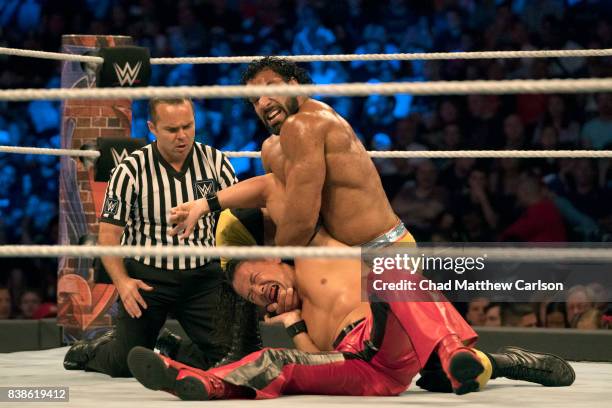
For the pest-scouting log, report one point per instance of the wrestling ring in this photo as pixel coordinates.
(86, 389)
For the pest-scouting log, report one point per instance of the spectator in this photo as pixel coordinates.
(598, 294)
(405, 136)
(385, 167)
(514, 133)
(454, 177)
(447, 114)
(378, 114)
(45, 310)
(548, 141)
(586, 195)
(541, 220)
(29, 302)
(374, 42)
(562, 181)
(239, 140)
(475, 314)
(577, 301)
(418, 205)
(558, 116)
(519, 315)
(474, 209)
(493, 315)
(483, 125)
(504, 179)
(312, 37)
(5, 303)
(556, 316)
(450, 31)
(597, 132)
(590, 319)
(530, 107)
(451, 137)
(581, 226)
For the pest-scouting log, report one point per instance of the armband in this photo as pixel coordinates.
(213, 204)
(297, 328)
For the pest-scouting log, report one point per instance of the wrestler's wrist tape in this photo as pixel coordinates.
(213, 203)
(297, 328)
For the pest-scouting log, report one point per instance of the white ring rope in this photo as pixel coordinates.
(61, 56)
(391, 154)
(252, 252)
(330, 57)
(452, 154)
(516, 86)
(50, 151)
(393, 57)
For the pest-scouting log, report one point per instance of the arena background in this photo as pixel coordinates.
(458, 200)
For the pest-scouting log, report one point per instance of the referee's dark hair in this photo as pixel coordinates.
(169, 101)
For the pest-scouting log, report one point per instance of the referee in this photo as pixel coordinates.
(142, 190)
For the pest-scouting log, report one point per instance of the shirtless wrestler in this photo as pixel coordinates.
(329, 178)
(344, 346)
(326, 170)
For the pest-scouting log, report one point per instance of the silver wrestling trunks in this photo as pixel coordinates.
(388, 238)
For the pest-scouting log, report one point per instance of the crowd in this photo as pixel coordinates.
(582, 307)
(458, 200)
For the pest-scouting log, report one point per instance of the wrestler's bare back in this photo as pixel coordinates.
(354, 205)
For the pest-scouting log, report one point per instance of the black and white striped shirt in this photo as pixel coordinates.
(144, 187)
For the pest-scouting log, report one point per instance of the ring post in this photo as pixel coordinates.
(84, 306)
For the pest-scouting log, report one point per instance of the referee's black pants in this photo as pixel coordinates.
(193, 296)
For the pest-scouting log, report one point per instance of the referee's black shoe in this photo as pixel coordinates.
(79, 354)
(541, 368)
(168, 343)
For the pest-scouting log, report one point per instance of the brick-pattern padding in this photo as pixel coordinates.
(83, 305)
(110, 118)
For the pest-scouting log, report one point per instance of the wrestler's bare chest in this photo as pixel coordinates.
(330, 295)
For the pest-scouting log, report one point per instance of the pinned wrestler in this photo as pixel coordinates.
(344, 346)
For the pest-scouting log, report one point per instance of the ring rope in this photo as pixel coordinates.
(388, 154)
(516, 86)
(61, 56)
(252, 252)
(49, 151)
(393, 57)
(330, 57)
(452, 154)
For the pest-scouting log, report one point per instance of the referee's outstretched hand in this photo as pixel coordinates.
(130, 296)
(186, 217)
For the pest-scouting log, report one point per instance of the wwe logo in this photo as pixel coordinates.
(118, 157)
(127, 74)
(204, 188)
(111, 206)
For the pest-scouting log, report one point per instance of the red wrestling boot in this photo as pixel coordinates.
(200, 385)
(157, 372)
(460, 364)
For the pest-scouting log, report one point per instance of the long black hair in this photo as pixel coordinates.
(283, 67)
